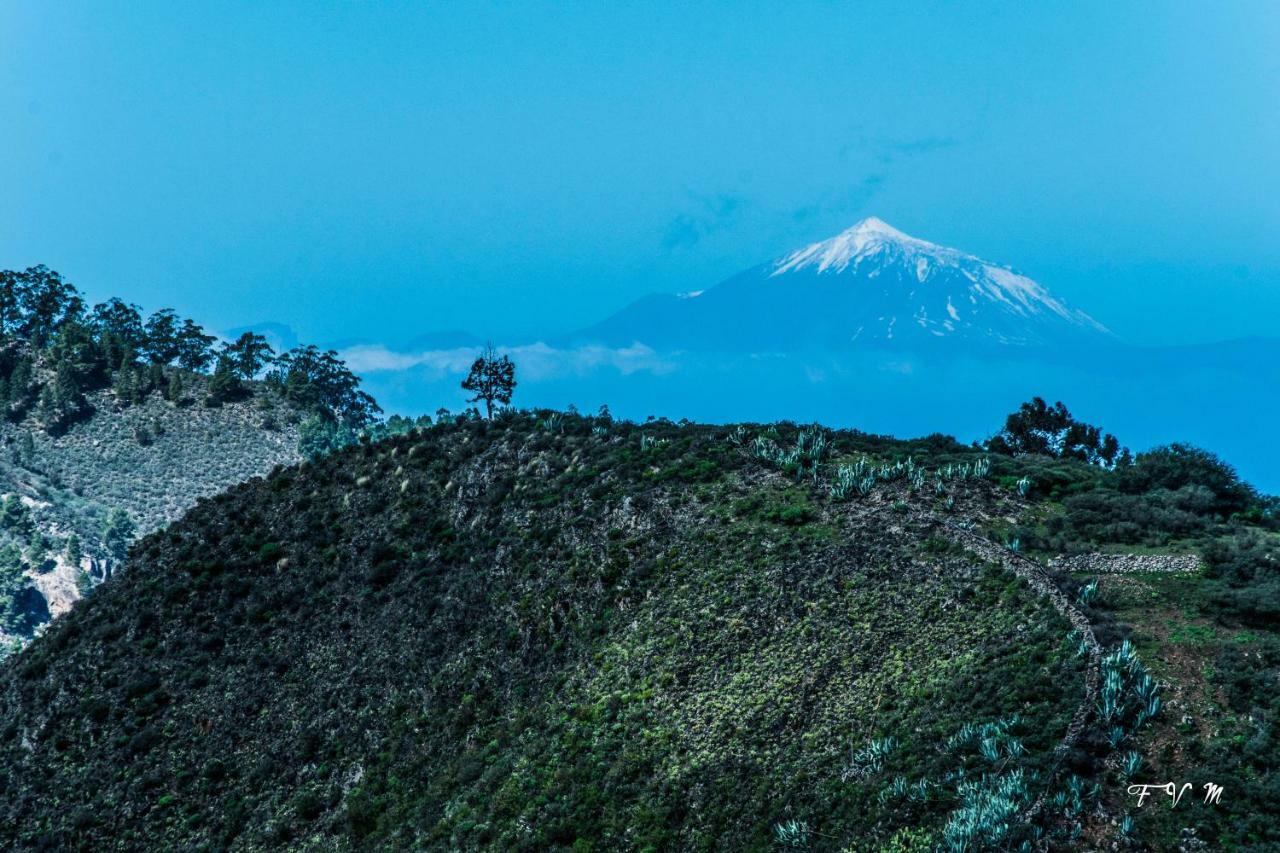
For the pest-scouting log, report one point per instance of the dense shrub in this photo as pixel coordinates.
(1244, 577)
(1180, 467)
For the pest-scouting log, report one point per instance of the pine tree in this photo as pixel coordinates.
(155, 377)
(224, 384)
(15, 517)
(74, 551)
(12, 581)
(123, 386)
(38, 551)
(117, 533)
(174, 392)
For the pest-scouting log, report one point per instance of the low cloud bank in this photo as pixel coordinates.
(533, 361)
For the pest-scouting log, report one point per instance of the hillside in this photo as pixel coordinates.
(555, 631)
(113, 425)
(150, 461)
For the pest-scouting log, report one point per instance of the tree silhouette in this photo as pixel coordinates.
(248, 353)
(492, 379)
(1039, 428)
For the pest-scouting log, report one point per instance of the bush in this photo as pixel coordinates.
(1245, 577)
(1180, 467)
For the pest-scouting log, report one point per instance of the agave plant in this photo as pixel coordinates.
(871, 758)
(1087, 593)
(963, 737)
(866, 485)
(811, 443)
(987, 811)
(895, 790)
(792, 833)
(921, 791)
(648, 442)
(1131, 764)
(1013, 748)
(765, 449)
(843, 484)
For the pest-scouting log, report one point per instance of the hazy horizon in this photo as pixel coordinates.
(369, 172)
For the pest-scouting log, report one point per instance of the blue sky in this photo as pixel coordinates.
(374, 171)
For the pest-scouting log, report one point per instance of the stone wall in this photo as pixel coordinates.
(1121, 563)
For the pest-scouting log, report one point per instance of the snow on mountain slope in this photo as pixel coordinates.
(871, 285)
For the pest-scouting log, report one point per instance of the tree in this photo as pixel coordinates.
(38, 552)
(44, 303)
(224, 384)
(27, 446)
(174, 393)
(321, 383)
(74, 551)
(120, 331)
(15, 517)
(62, 400)
(117, 533)
(161, 343)
(194, 347)
(319, 435)
(21, 386)
(492, 379)
(1038, 428)
(75, 349)
(248, 354)
(12, 582)
(10, 287)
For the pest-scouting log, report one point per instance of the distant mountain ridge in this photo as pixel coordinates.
(869, 286)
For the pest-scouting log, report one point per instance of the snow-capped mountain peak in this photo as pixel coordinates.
(868, 286)
(869, 237)
(874, 249)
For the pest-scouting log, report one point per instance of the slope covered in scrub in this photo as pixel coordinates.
(112, 425)
(146, 463)
(549, 632)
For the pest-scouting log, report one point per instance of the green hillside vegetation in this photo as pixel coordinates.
(552, 631)
(113, 424)
(1213, 638)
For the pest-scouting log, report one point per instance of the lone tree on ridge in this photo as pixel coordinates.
(492, 379)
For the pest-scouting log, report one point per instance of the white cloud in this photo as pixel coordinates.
(533, 361)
